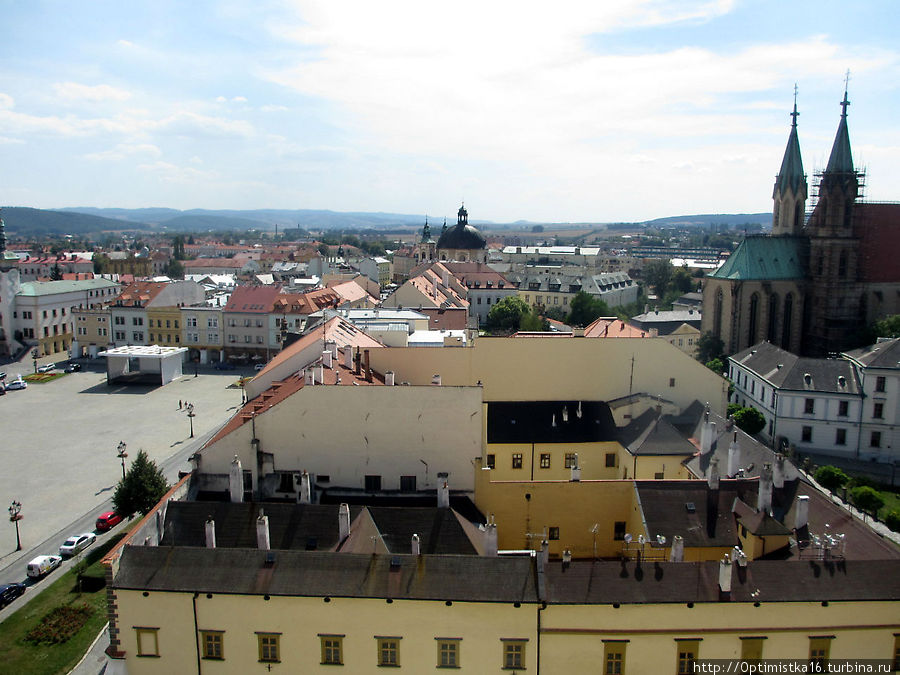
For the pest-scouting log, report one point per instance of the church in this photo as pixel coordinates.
(815, 283)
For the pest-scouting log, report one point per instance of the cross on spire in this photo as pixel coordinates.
(795, 113)
(845, 102)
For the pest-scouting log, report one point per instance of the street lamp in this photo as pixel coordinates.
(15, 516)
(34, 358)
(190, 414)
(122, 455)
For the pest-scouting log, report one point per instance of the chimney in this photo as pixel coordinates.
(358, 360)
(326, 358)
(490, 537)
(236, 481)
(320, 374)
(576, 470)
(310, 376)
(389, 378)
(734, 456)
(712, 474)
(262, 531)
(368, 367)
(738, 556)
(801, 516)
(443, 493)
(304, 488)
(764, 501)
(676, 553)
(436, 379)
(415, 546)
(210, 532)
(343, 522)
(331, 346)
(725, 578)
(654, 332)
(348, 357)
(778, 472)
(545, 554)
(445, 277)
(707, 433)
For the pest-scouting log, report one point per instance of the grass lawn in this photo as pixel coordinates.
(891, 503)
(22, 657)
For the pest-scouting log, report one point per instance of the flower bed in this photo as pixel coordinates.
(59, 624)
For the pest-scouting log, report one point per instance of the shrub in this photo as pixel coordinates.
(750, 420)
(867, 499)
(830, 477)
(892, 520)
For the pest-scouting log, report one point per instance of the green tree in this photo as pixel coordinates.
(557, 313)
(867, 499)
(506, 315)
(682, 281)
(716, 365)
(178, 247)
(892, 520)
(709, 347)
(888, 327)
(532, 321)
(750, 420)
(658, 273)
(56, 273)
(174, 269)
(585, 308)
(830, 477)
(143, 486)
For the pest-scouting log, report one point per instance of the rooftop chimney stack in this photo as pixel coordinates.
(236, 481)
(368, 367)
(712, 474)
(389, 378)
(734, 456)
(304, 488)
(343, 521)
(262, 532)
(778, 472)
(801, 515)
(676, 553)
(348, 357)
(764, 501)
(725, 578)
(320, 374)
(545, 554)
(326, 358)
(436, 379)
(310, 376)
(738, 556)
(415, 546)
(210, 532)
(443, 494)
(490, 537)
(707, 431)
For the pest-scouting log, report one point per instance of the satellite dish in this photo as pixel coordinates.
(628, 538)
(641, 539)
(660, 539)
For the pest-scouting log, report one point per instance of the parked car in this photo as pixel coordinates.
(107, 521)
(47, 368)
(9, 592)
(223, 365)
(16, 384)
(73, 368)
(259, 366)
(2, 376)
(43, 564)
(77, 543)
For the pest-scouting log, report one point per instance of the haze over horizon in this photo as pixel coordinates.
(588, 113)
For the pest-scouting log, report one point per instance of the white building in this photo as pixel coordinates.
(878, 367)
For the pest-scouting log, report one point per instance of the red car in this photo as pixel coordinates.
(108, 520)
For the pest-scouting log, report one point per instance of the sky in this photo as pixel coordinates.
(567, 111)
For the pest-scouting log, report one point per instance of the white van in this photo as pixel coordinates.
(43, 564)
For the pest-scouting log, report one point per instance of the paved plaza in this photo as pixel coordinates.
(59, 440)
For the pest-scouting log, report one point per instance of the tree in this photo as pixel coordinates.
(867, 499)
(830, 477)
(584, 308)
(709, 347)
(888, 327)
(682, 281)
(506, 316)
(892, 520)
(533, 322)
(141, 489)
(658, 273)
(178, 248)
(557, 313)
(750, 420)
(174, 269)
(56, 273)
(716, 365)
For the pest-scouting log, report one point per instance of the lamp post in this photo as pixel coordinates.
(15, 516)
(190, 414)
(122, 455)
(34, 358)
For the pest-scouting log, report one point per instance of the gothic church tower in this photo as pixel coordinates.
(789, 193)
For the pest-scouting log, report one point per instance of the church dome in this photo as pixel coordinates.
(462, 236)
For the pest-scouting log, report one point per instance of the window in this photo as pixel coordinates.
(373, 483)
(120, 335)
(259, 339)
(840, 437)
(168, 323)
(513, 654)
(176, 323)
(806, 434)
(212, 322)
(553, 533)
(517, 460)
(491, 461)
(875, 439)
(191, 322)
(388, 651)
(248, 338)
(659, 475)
(614, 656)
(268, 644)
(332, 649)
(212, 644)
(751, 648)
(878, 411)
(259, 323)
(843, 408)
(687, 654)
(448, 655)
(407, 483)
(137, 321)
(809, 406)
(119, 320)
(147, 641)
(671, 381)
(570, 460)
(619, 530)
(545, 460)
(819, 648)
(610, 459)
(879, 383)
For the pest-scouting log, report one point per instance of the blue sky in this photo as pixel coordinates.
(565, 111)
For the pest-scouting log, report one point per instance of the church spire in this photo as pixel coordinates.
(841, 159)
(790, 189)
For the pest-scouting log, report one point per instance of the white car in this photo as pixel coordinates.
(47, 368)
(42, 565)
(16, 384)
(259, 366)
(77, 543)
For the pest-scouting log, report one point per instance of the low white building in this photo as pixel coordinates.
(878, 366)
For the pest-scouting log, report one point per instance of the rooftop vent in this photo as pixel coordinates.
(691, 507)
(807, 378)
(395, 563)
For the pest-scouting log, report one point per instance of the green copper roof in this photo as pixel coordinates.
(841, 160)
(764, 258)
(791, 176)
(33, 288)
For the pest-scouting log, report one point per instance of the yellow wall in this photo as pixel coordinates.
(645, 467)
(300, 620)
(591, 459)
(516, 369)
(167, 336)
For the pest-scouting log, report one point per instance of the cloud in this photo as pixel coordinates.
(124, 151)
(172, 173)
(194, 125)
(6, 101)
(125, 43)
(74, 93)
(239, 99)
(273, 108)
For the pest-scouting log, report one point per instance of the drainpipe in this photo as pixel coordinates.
(541, 608)
(197, 633)
(859, 431)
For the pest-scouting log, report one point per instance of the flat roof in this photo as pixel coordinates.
(143, 350)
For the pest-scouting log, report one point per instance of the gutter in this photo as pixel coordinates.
(197, 633)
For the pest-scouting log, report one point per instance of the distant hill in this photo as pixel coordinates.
(730, 219)
(26, 222)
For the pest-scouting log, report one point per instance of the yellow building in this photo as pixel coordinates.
(164, 326)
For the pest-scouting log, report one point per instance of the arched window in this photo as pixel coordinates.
(754, 315)
(786, 321)
(773, 317)
(717, 314)
(798, 216)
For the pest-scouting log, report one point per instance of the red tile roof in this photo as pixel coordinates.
(253, 299)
